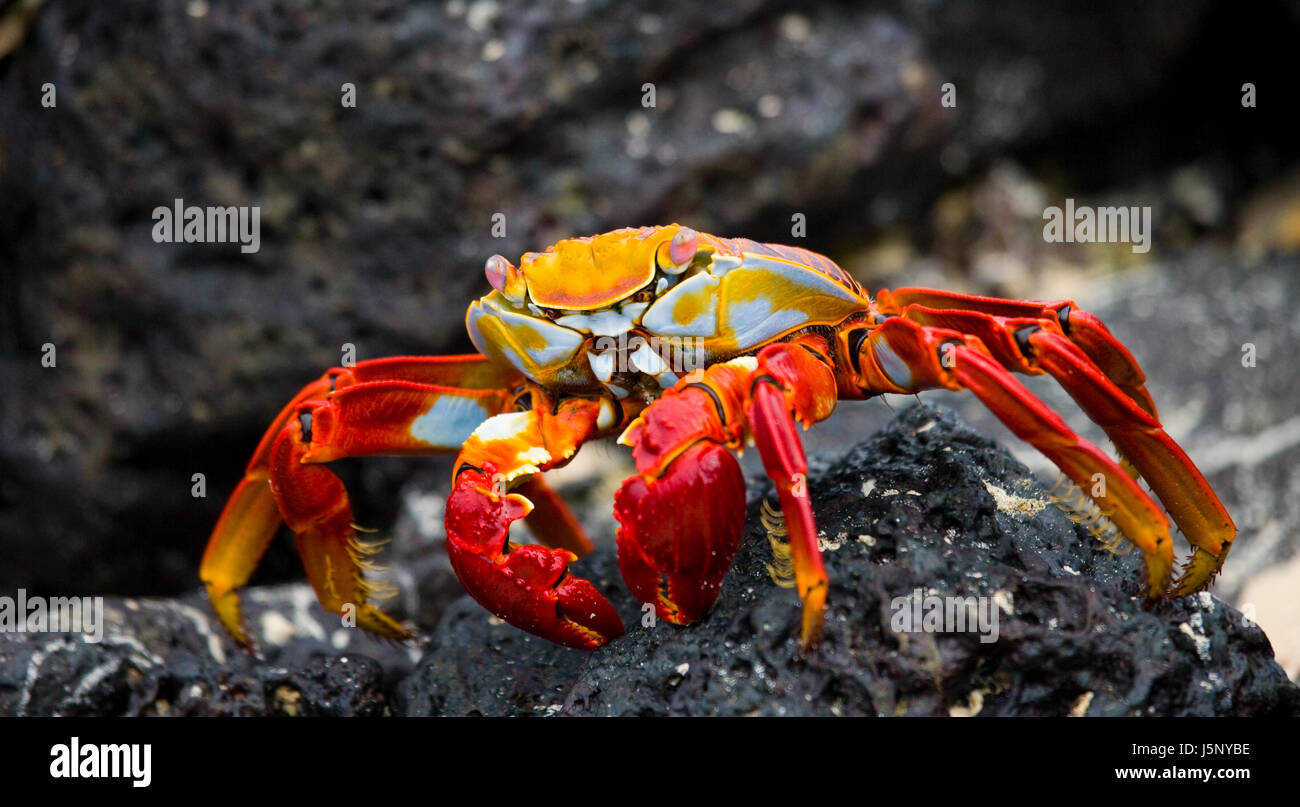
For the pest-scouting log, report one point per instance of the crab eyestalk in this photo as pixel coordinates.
(675, 256)
(506, 278)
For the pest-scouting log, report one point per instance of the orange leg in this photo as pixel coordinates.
(903, 356)
(930, 306)
(404, 405)
(1104, 379)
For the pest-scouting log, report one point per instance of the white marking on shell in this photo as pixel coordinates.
(449, 422)
(633, 311)
(503, 427)
(755, 321)
(724, 263)
(660, 318)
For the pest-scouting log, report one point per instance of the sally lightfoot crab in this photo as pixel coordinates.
(689, 347)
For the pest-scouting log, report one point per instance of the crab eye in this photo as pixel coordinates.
(683, 245)
(496, 269)
(504, 277)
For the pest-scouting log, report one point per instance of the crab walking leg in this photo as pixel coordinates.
(315, 505)
(903, 356)
(682, 515)
(528, 586)
(252, 516)
(794, 380)
(248, 522)
(1084, 329)
(1035, 346)
(1162, 462)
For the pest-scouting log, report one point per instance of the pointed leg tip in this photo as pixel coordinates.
(375, 621)
(1199, 572)
(226, 606)
(814, 620)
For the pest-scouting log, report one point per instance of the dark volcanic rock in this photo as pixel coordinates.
(170, 657)
(944, 511)
(925, 504)
(375, 220)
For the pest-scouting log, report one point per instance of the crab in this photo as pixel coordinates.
(688, 348)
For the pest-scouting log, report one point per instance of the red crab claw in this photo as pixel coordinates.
(528, 586)
(680, 531)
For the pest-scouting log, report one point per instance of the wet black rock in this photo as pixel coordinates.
(376, 219)
(926, 506)
(169, 657)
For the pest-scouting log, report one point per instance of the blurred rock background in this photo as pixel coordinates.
(376, 219)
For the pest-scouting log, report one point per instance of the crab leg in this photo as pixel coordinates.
(682, 515)
(904, 356)
(248, 522)
(1162, 462)
(315, 505)
(345, 413)
(528, 586)
(1036, 345)
(799, 381)
(1084, 329)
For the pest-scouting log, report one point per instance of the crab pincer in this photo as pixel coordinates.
(679, 531)
(528, 586)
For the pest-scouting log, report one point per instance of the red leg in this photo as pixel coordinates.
(682, 515)
(315, 506)
(422, 406)
(793, 382)
(1104, 379)
(903, 356)
(1084, 329)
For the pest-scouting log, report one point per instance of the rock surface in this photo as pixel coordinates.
(169, 657)
(925, 504)
(944, 511)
